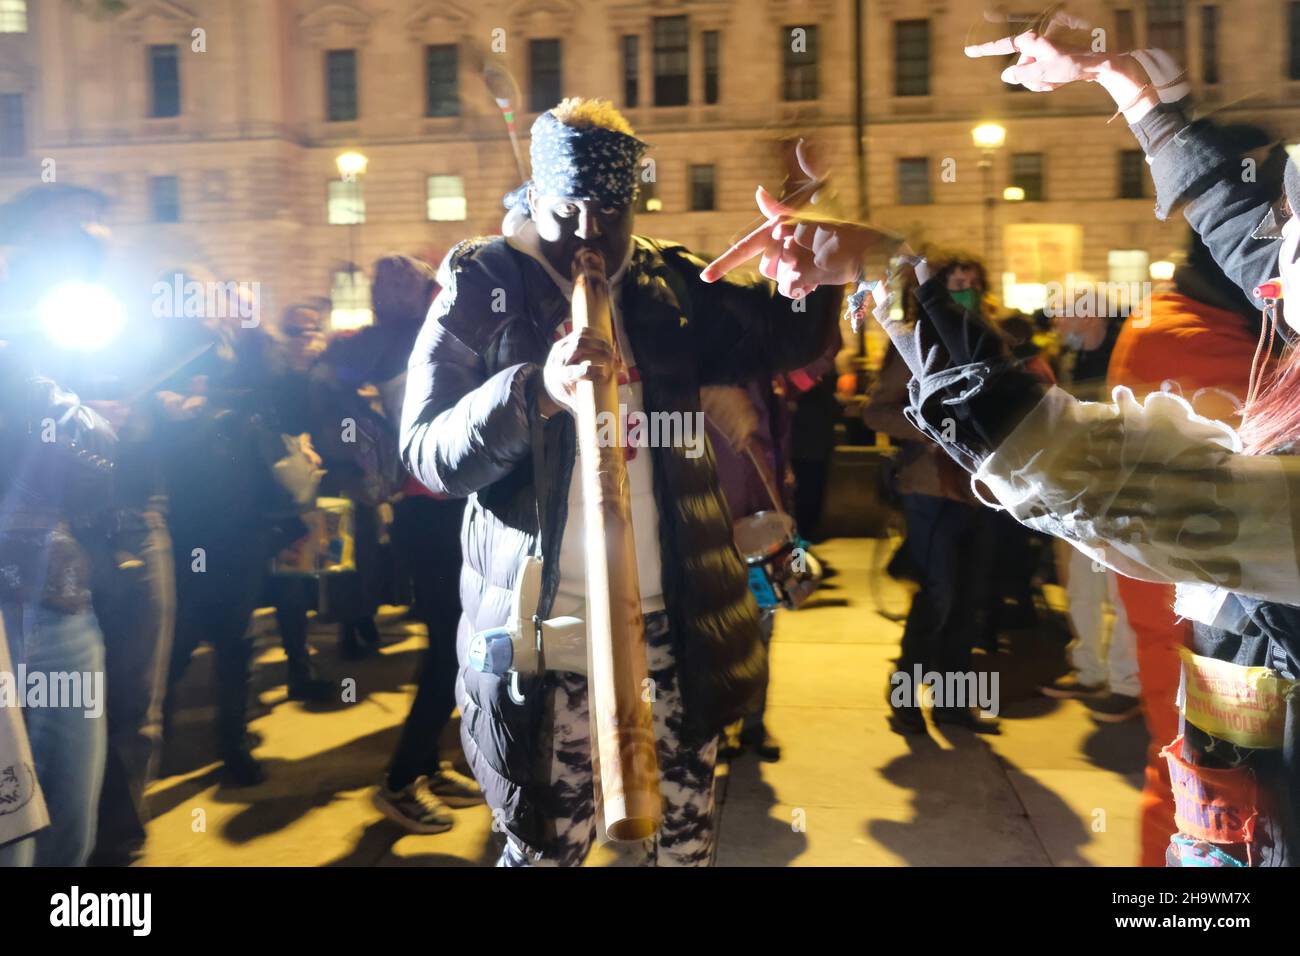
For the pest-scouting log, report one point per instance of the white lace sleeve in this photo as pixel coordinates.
(1154, 491)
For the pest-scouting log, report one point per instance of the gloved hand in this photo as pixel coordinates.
(968, 392)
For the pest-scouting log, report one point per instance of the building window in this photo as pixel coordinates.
(631, 70)
(1027, 173)
(647, 197)
(799, 63)
(672, 61)
(164, 81)
(13, 137)
(912, 58)
(1167, 27)
(340, 85)
(914, 181)
(1128, 265)
(1125, 33)
(543, 74)
(712, 65)
(350, 299)
(445, 196)
(441, 80)
(13, 16)
(164, 198)
(1210, 45)
(702, 191)
(1132, 174)
(346, 204)
(1293, 31)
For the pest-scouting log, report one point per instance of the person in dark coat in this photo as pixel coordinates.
(487, 389)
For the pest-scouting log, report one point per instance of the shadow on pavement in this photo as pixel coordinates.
(776, 841)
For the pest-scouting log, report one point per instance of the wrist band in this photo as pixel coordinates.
(1146, 87)
(1166, 76)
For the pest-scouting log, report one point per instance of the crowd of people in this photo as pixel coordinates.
(1151, 447)
(139, 528)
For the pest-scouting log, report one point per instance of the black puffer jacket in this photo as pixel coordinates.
(466, 431)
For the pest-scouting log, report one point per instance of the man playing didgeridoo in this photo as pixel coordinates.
(493, 362)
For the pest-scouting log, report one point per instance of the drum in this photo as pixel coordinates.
(327, 548)
(782, 573)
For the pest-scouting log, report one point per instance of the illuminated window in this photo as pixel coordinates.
(350, 300)
(164, 198)
(346, 206)
(445, 196)
(13, 16)
(1128, 265)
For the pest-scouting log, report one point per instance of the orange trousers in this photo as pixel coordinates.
(1159, 634)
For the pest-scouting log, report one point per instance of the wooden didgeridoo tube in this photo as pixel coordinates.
(617, 669)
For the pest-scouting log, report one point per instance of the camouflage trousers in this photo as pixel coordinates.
(685, 837)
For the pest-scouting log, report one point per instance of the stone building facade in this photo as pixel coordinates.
(214, 125)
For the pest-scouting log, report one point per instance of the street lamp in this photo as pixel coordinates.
(989, 137)
(351, 165)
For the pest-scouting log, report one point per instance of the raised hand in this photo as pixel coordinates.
(576, 357)
(1051, 56)
(801, 253)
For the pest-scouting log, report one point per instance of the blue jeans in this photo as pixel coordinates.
(68, 747)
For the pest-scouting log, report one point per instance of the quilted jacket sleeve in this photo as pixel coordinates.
(463, 429)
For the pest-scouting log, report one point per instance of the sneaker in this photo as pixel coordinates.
(1115, 708)
(414, 808)
(1070, 686)
(454, 788)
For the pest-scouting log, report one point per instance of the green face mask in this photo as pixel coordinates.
(966, 298)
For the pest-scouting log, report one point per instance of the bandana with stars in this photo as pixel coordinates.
(592, 163)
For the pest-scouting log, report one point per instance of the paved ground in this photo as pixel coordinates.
(1054, 789)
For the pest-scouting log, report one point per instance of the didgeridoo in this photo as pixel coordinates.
(617, 675)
